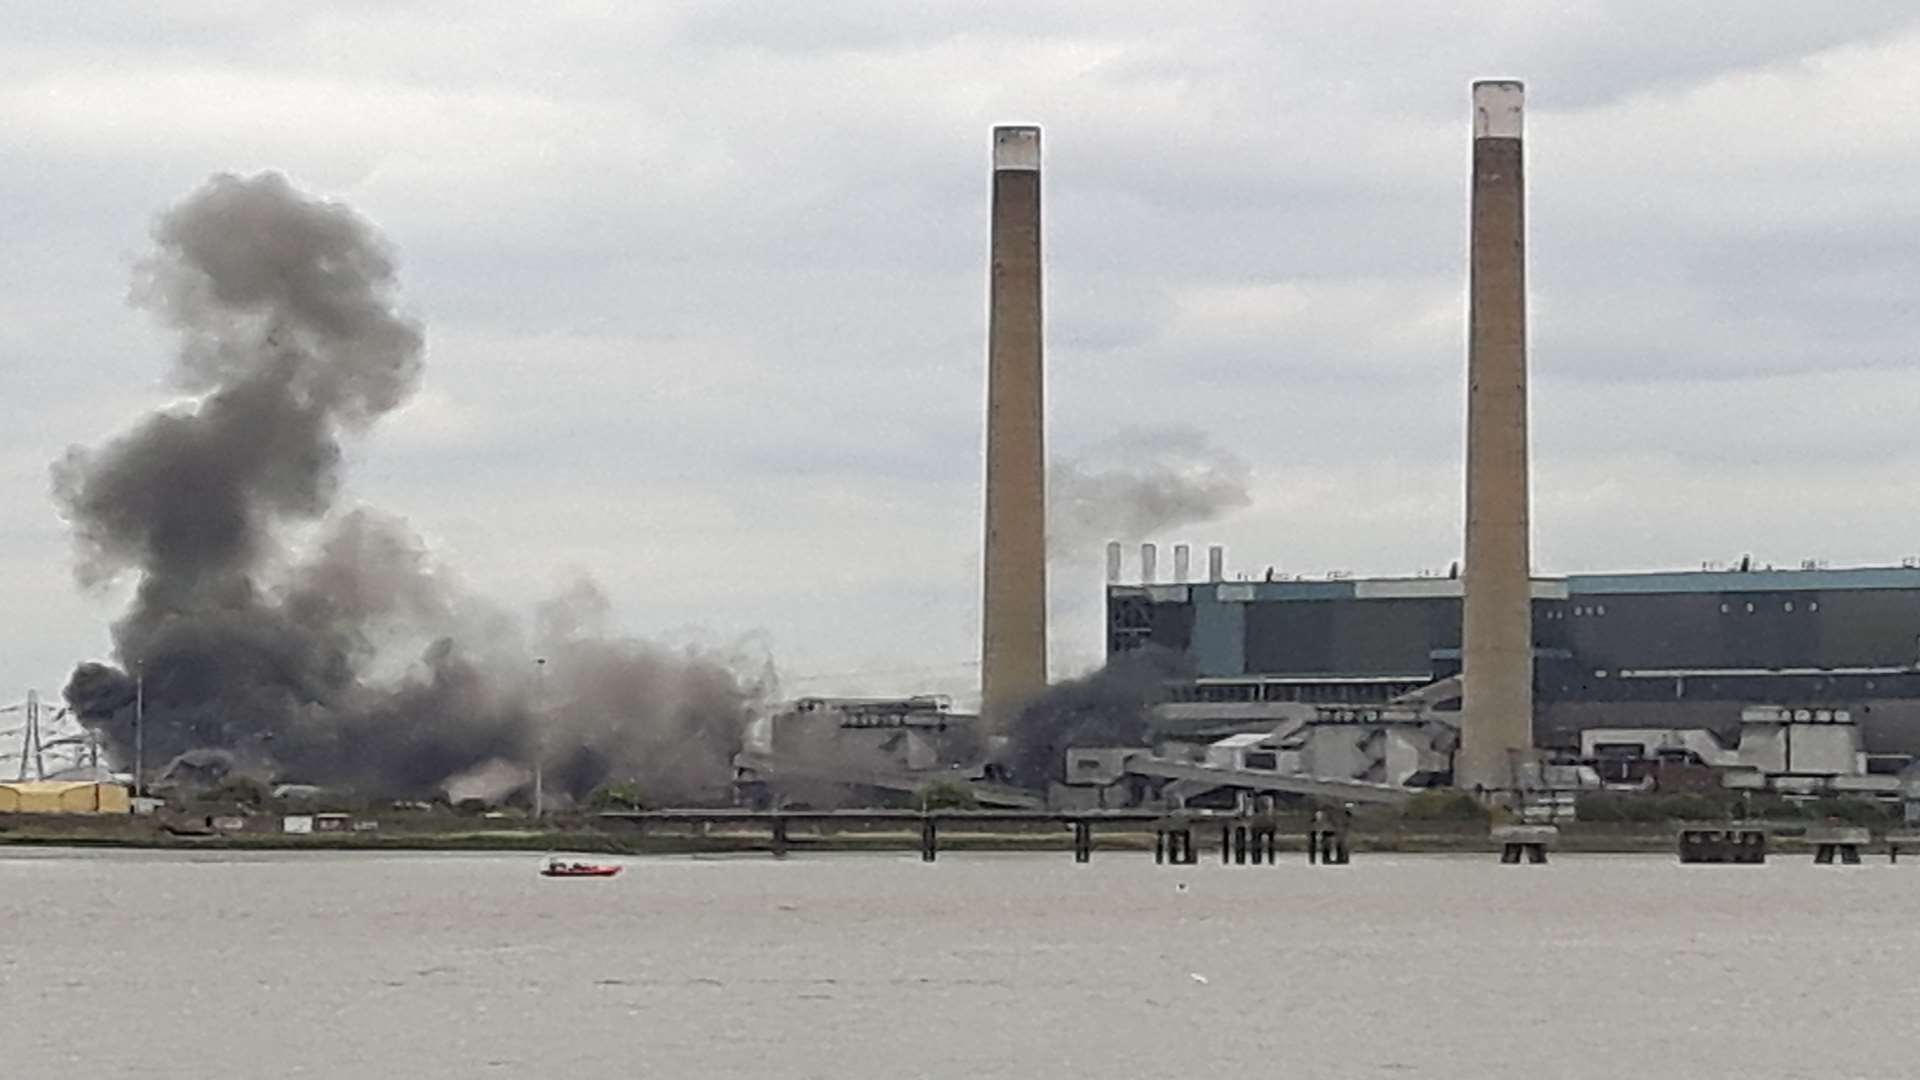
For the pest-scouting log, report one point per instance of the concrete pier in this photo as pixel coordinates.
(1841, 844)
(1013, 648)
(1898, 842)
(1721, 844)
(1497, 625)
(932, 825)
(1525, 843)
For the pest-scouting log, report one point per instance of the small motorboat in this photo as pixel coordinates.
(569, 868)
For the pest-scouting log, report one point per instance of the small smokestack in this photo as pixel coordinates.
(1182, 564)
(1013, 647)
(1113, 561)
(1497, 625)
(1149, 564)
(1216, 563)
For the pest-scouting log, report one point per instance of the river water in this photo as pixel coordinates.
(212, 965)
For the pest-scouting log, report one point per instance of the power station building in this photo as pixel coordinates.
(1642, 650)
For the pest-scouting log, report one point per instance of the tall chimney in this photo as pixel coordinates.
(1113, 562)
(1497, 628)
(1013, 647)
(1216, 563)
(1149, 564)
(1182, 563)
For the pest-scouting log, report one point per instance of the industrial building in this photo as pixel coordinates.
(64, 797)
(1669, 651)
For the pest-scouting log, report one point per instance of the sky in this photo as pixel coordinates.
(704, 286)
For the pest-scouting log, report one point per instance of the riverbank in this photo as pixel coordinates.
(445, 833)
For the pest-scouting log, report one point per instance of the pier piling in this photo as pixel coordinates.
(1329, 847)
(1722, 844)
(1896, 841)
(1839, 844)
(1174, 844)
(1525, 843)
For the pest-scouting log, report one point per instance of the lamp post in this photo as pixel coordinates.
(139, 729)
(539, 735)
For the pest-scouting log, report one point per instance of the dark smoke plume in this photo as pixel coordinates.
(291, 338)
(1140, 483)
(1110, 707)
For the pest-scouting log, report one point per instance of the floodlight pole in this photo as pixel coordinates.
(539, 736)
(139, 730)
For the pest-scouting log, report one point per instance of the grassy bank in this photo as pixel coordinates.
(453, 833)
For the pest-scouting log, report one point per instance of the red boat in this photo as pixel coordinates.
(563, 868)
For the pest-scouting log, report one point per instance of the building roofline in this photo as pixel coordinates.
(1545, 587)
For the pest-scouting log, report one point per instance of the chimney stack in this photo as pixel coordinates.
(1149, 564)
(1497, 625)
(1182, 564)
(1113, 562)
(1216, 563)
(1013, 648)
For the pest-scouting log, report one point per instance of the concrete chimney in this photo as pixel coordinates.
(1497, 629)
(1113, 562)
(1182, 564)
(1216, 563)
(1013, 648)
(1149, 564)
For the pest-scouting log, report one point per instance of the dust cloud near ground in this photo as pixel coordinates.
(264, 624)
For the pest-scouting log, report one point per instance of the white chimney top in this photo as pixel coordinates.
(1496, 108)
(1016, 148)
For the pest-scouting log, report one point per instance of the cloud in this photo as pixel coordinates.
(707, 282)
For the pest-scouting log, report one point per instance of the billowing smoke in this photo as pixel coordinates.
(284, 662)
(1139, 483)
(1110, 707)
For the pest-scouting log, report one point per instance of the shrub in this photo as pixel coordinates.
(617, 796)
(1769, 807)
(1850, 811)
(1440, 804)
(1695, 807)
(239, 790)
(945, 795)
(1648, 809)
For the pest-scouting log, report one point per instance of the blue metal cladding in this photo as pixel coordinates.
(1750, 620)
(1219, 635)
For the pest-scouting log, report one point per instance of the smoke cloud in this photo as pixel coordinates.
(1110, 707)
(291, 339)
(1140, 483)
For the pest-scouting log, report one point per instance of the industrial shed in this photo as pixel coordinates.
(63, 797)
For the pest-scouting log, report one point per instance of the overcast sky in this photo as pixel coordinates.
(704, 284)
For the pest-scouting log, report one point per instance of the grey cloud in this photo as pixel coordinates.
(806, 188)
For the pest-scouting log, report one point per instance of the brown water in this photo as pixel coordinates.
(374, 965)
